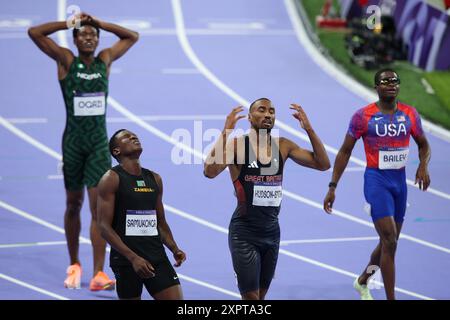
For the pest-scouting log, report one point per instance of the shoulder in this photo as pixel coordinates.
(366, 110)
(284, 141)
(109, 181)
(155, 175)
(101, 58)
(362, 115)
(286, 144)
(407, 109)
(68, 55)
(104, 57)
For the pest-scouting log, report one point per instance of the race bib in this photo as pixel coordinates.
(89, 104)
(141, 223)
(267, 195)
(392, 159)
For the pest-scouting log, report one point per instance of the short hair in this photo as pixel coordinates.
(113, 143)
(377, 76)
(76, 30)
(254, 102)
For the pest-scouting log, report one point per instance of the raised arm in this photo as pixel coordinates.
(127, 38)
(316, 159)
(215, 163)
(164, 229)
(340, 164)
(105, 213)
(40, 36)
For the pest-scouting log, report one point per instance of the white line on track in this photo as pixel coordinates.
(210, 286)
(55, 177)
(118, 107)
(285, 252)
(352, 169)
(53, 227)
(179, 71)
(32, 244)
(61, 12)
(61, 5)
(121, 109)
(216, 228)
(27, 120)
(174, 117)
(190, 32)
(186, 46)
(221, 229)
(29, 139)
(288, 242)
(29, 286)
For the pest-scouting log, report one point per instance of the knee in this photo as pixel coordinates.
(252, 295)
(389, 244)
(73, 207)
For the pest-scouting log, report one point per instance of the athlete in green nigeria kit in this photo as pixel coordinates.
(84, 84)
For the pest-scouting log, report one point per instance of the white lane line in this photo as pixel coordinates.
(55, 177)
(34, 142)
(179, 117)
(210, 286)
(346, 273)
(208, 225)
(121, 109)
(344, 79)
(49, 177)
(285, 252)
(363, 222)
(237, 25)
(51, 226)
(32, 244)
(288, 242)
(178, 71)
(35, 219)
(175, 117)
(353, 169)
(29, 286)
(27, 120)
(186, 46)
(29, 139)
(190, 32)
(176, 142)
(196, 219)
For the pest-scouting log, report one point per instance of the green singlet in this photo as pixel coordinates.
(85, 141)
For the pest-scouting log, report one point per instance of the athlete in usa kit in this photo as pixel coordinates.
(385, 127)
(256, 169)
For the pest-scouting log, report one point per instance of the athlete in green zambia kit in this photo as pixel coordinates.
(84, 84)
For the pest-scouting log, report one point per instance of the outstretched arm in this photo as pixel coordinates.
(340, 164)
(316, 159)
(164, 229)
(105, 213)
